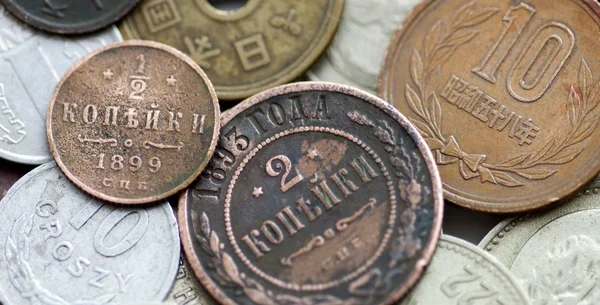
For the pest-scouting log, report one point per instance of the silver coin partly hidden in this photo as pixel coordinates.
(461, 274)
(555, 255)
(62, 247)
(186, 289)
(31, 64)
(355, 55)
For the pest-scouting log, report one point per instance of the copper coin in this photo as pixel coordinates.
(133, 122)
(505, 93)
(263, 44)
(69, 16)
(318, 193)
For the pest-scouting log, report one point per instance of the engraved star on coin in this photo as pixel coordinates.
(257, 192)
(313, 153)
(171, 80)
(108, 74)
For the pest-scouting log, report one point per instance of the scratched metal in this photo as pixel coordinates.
(69, 16)
(317, 193)
(31, 64)
(60, 246)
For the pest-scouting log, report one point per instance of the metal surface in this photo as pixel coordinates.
(133, 122)
(187, 289)
(317, 192)
(69, 16)
(553, 254)
(505, 94)
(31, 64)
(355, 54)
(61, 246)
(460, 273)
(263, 44)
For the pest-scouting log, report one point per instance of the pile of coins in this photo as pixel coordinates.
(489, 105)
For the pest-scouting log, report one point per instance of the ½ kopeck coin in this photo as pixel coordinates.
(317, 193)
(69, 16)
(506, 95)
(263, 44)
(133, 122)
(61, 246)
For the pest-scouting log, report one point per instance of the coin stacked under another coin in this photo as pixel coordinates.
(304, 193)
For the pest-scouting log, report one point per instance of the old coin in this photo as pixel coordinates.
(31, 64)
(133, 122)
(69, 16)
(355, 54)
(461, 273)
(555, 255)
(505, 93)
(61, 246)
(263, 44)
(317, 193)
(186, 289)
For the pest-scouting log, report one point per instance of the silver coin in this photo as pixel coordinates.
(355, 55)
(555, 255)
(60, 246)
(460, 273)
(186, 289)
(31, 64)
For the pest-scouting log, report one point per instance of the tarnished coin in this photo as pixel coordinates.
(31, 64)
(186, 289)
(133, 122)
(263, 44)
(355, 54)
(61, 246)
(69, 16)
(505, 93)
(461, 273)
(9, 174)
(556, 254)
(318, 193)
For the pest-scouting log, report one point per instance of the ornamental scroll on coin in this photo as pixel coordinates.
(317, 194)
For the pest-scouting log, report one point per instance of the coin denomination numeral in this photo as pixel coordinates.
(541, 60)
(131, 239)
(274, 172)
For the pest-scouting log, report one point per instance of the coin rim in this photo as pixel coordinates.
(438, 204)
(167, 209)
(134, 43)
(24, 16)
(310, 58)
(479, 205)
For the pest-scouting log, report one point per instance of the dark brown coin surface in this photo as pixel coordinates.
(133, 122)
(263, 44)
(317, 194)
(9, 174)
(69, 16)
(506, 95)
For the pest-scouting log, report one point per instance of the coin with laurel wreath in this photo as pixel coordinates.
(317, 194)
(63, 247)
(505, 94)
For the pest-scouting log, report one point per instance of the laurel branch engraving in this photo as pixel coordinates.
(374, 282)
(439, 45)
(21, 274)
